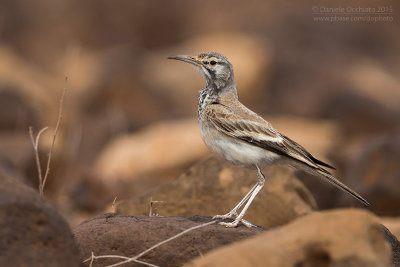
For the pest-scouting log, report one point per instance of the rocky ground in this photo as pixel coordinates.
(291, 231)
(129, 168)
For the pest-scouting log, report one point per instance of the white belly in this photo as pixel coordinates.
(236, 151)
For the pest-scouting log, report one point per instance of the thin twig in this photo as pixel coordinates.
(93, 257)
(162, 243)
(35, 144)
(113, 204)
(60, 116)
(104, 257)
(151, 206)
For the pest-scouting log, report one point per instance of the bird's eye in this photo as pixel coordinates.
(213, 62)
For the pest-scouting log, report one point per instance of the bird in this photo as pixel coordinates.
(234, 132)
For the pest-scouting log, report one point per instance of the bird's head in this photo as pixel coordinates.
(215, 68)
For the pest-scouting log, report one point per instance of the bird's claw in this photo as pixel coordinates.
(236, 222)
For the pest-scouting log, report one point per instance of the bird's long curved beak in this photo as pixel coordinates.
(190, 59)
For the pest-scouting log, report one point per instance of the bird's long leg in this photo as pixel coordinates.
(235, 209)
(239, 218)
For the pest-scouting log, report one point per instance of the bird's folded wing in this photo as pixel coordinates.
(259, 133)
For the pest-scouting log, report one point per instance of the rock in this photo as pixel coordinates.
(7, 168)
(214, 186)
(159, 147)
(17, 157)
(332, 238)
(82, 195)
(368, 74)
(375, 173)
(25, 92)
(130, 235)
(15, 109)
(393, 224)
(360, 116)
(360, 108)
(32, 232)
(395, 246)
(319, 137)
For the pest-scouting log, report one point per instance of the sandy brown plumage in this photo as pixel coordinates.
(242, 137)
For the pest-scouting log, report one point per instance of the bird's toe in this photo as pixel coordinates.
(230, 224)
(223, 217)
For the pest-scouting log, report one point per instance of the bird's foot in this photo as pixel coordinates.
(226, 216)
(236, 222)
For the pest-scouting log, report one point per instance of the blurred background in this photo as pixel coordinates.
(130, 121)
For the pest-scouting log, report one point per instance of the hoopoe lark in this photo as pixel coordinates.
(231, 130)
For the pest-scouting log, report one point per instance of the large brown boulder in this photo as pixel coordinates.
(32, 232)
(111, 234)
(393, 224)
(214, 186)
(333, 238)
(392, 240)
(375, 172)
(162, 146)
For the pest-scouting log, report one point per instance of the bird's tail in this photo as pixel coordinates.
(325, 174)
